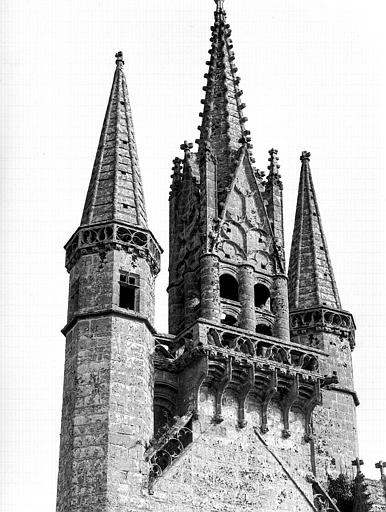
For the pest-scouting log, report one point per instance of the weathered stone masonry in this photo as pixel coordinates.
(248, 403)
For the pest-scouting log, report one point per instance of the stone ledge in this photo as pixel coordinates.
(114, 311)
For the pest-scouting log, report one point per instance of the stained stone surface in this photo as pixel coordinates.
(250, 397)
(377, 494)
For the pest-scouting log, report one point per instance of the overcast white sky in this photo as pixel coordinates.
(313, 74)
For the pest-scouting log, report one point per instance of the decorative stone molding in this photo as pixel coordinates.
(323, 319)
(245, 363)
(164, 451)
(322, 500)
(261, 347)
(114, 235)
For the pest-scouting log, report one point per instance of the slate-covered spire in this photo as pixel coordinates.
(311, 278)
(223, 122)
(115, 190)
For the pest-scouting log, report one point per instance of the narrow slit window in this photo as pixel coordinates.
(74, 295)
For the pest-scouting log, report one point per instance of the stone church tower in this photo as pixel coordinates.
(248, 404)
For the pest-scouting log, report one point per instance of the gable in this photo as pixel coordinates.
(244, 232)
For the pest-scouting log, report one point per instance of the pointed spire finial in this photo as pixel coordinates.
(305, 156)
(119, 58)
(186, 147)
(273, 159)
(220, 4)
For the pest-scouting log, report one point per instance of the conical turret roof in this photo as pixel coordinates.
(311, 278)
(115, 191)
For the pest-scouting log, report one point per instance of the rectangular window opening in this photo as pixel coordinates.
(127, 296)
(128, 291)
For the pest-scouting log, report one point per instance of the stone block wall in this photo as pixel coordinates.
(94, 282)
(335, 435)
(229, 469)
(377, 494)
(107, 417)
(108, 414)
(334, 422)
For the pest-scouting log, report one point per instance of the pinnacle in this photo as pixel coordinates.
(273, 167)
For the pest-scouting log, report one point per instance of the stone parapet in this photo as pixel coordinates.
(323, 319)
(113, 235)
(235, 359)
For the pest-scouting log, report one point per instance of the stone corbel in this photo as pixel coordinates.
(287, 403)
(270, 392)
(202, 374)
(218, 418)
(243, 393)
(315, 399)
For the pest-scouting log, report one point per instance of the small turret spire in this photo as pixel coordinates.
(115, 190)
(311, 278)
(186, 147)
(273, 167)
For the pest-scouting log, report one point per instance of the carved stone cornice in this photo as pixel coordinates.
(113, 235)
(114, 311)
(270, 369)
(323, 319)
(217, 339)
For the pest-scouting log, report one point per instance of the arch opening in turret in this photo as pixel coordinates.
(227, 319)
(128, 291)
(262, 296)
(164, 406)
(264, 329)
(229, 287)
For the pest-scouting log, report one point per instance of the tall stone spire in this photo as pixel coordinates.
(115, 190)
(311, 278)
(223, 123)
